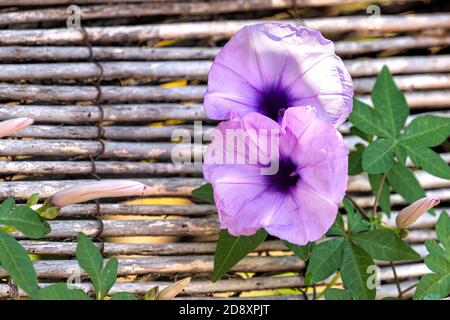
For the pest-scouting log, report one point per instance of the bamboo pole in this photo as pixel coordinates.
(54, 269)
(80, 148)
(117, 133)
(89, 210)
(88, 114)
(332, 25)
(157, 249)
(70, 53)
(198, 69)
(131, 228)
(155, 187)
(102, 167)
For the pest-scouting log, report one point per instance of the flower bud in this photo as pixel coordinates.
(411, 213)
(11, 125)
(99, 189)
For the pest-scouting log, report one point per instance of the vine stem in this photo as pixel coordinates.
(361, 210)
(397, 281)
(378, 194)
(329, 285)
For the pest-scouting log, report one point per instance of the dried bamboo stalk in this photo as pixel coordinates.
(156, 228)
(117, 133)
(332, 25)
(54, 269)
(102, 167)
(125, 10)
(89, 114)
(125, 150)
(199, 69)
(69, 53)
(68, 2)
(89, 210)
(131, 228)
(158, 249)
(156, 187)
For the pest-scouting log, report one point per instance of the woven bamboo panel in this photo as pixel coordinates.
(155, 58)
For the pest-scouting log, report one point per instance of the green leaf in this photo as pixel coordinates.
(25, 220)
(355, 221)
(302, 252)
(354, 131)
(378, 156)
(355, 272)
(428, 160)
(428, 130)
(389, 102)
(17, 263)
(325, 259)
(385, 195)
(366, 119)
(354, 160)
(443, 229)
(90, 260)
(230, 250)
(437, 264)
(433, 287)
(403, 181)
(337, 229)
(108, 277)
(401, 154)
(436, 249)
(204, 193)
(33, 199)
(123, 296)
(384, 245)
(60, 291)
(337, 294)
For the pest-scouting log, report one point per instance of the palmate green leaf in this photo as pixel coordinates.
(60, 291)
(437, 264)
(354, 131)
(428, 160)
(385, 195)
(230, 250)
(123, 296)
(337, 228)
(443, 229)
(403, 181)
(354, 160)
(15, 260)
(433, 287)
(428, 130)
(303, 252)
(25, 220)
(400, 154)
(436, 249)
(325, 259)
(366, 119)
(204, 193)
(389, 102)
(384, 245)
(355, 273)
(378, 156)
(355, 221)
(337, 294)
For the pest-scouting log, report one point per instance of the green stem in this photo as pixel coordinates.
(329, 285)
(378, 194)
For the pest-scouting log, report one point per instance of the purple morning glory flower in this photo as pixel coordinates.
(299, 201)
(269, 67)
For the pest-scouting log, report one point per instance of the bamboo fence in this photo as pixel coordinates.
(49, 74)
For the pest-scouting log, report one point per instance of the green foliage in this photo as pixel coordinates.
(23, 218)
(437, 284)
(91, 261)
(390, 144)
(14, 259)
(302, 252)
(337, 294)
(354, 160)
(230, 250)
(384, 200)
(61, 291)
(204, 193)
(123, 296)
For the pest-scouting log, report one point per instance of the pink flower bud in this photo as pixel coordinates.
(99, 189)
(411, 213)
(11, 125)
